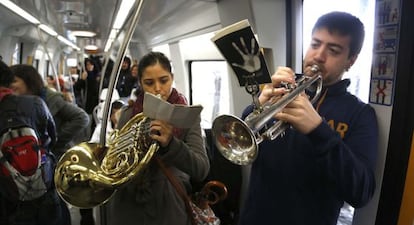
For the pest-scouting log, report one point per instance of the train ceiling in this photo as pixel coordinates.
(66, 16)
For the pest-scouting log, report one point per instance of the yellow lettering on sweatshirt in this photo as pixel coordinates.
(339, 127)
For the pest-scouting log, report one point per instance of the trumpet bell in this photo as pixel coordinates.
(234, 139)
(73, 181)
(238, 140)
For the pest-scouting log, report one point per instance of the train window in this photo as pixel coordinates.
(208, 82)
(361, 70)
(47, 68)
(38, 59)
(71, 62)
(36, 64)
(365, 10)
(16, 54)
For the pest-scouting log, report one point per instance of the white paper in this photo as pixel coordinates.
(180, 116)
(230, 29)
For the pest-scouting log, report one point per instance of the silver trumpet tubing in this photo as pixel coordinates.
(238, 140)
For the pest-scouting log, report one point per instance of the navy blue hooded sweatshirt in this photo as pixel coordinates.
(302, 179)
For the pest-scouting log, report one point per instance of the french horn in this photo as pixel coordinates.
(87, 175)
(237, 140)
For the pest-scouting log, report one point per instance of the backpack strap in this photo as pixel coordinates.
(6, 164)
(13, 133)
(11, 104)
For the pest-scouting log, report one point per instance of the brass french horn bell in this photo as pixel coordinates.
(238, 140)
(85, 179)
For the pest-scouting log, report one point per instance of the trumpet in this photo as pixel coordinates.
(238, 140)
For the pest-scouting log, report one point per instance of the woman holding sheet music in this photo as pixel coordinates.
(151, 198)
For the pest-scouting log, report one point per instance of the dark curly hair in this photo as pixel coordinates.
(344, 24)
(30, 76)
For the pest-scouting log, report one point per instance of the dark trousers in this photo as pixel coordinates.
(86, 217)
(45, 210)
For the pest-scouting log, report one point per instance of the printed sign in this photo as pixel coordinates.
(381, 91)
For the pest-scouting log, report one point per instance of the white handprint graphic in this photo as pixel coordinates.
(251, 60)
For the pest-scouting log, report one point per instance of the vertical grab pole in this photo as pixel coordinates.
(135, 13)
(136, 10)
(50, 59)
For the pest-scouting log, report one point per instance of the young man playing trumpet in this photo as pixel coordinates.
(328, 155)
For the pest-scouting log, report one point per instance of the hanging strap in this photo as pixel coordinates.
(178, 187)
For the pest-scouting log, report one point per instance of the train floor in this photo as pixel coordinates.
(345, 217)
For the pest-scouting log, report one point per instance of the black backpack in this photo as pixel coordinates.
(26, 169)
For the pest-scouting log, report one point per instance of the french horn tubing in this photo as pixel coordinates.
(238, 140)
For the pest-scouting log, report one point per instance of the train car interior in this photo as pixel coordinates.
(57, 35)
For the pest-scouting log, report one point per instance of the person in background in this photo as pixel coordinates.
(67, 90)
(328, 157)
(113, 121)
(116, 112)
(150, 198)
(44, 210)
(69, 118)
(74, 75)
(125, 80)
(136, 87)
(51, 83)
(107, 73)
(134, 74)
(88, 86)
(60, 86)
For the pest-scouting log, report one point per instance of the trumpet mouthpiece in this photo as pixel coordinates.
(314, 68)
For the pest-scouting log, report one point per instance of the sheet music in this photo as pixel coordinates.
(180, 116)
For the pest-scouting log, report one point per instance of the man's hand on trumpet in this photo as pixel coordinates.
(299, 112)
(283, 74)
